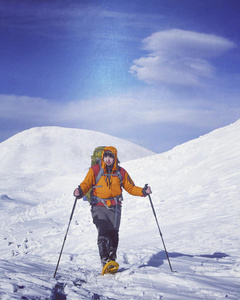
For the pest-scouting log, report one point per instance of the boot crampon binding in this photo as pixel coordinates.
(110, 267)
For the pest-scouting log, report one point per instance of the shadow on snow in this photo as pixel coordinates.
(157, 259)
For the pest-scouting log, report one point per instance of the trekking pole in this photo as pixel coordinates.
(160, 232)
(70, 219)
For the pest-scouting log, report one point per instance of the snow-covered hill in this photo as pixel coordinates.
(196, 197)
(43, 158)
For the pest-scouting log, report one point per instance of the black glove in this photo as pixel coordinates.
(144, 190)
(78, 193)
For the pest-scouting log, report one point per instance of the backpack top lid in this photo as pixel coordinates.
(97, 155)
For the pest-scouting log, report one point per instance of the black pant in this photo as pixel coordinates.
(108, 229)
(104, 231)
(107, 222)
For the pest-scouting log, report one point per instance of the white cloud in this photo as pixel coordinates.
(183, 42)
(179, 57)
(140, 115)
(107, 114)
(160, 121)
(22, 107)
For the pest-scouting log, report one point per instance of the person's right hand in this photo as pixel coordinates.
(78, 192)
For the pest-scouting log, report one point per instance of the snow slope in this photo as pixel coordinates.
(196, 199)
(45, 158)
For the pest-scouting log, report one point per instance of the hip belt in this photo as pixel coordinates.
(107, 202)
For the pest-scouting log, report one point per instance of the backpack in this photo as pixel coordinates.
(98, 171)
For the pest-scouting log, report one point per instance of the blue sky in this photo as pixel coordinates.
(154, 72)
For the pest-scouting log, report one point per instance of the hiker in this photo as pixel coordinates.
(106, 180)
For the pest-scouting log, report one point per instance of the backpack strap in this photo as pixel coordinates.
(99, 175)
(121, 173)
(99, 172)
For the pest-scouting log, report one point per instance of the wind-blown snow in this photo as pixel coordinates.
(196, 199)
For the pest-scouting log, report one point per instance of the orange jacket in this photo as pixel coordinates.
(109, 186)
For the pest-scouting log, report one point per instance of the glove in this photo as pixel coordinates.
(78, 193)
(146, 190)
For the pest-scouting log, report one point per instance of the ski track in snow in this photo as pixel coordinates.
(196, 198)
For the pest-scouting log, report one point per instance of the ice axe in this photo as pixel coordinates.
(146, 185)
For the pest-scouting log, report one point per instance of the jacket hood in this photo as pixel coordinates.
(114, 151)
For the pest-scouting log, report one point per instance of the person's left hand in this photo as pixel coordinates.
(147, 190)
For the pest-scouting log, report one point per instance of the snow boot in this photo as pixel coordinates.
(103, 247)
(112, 253)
